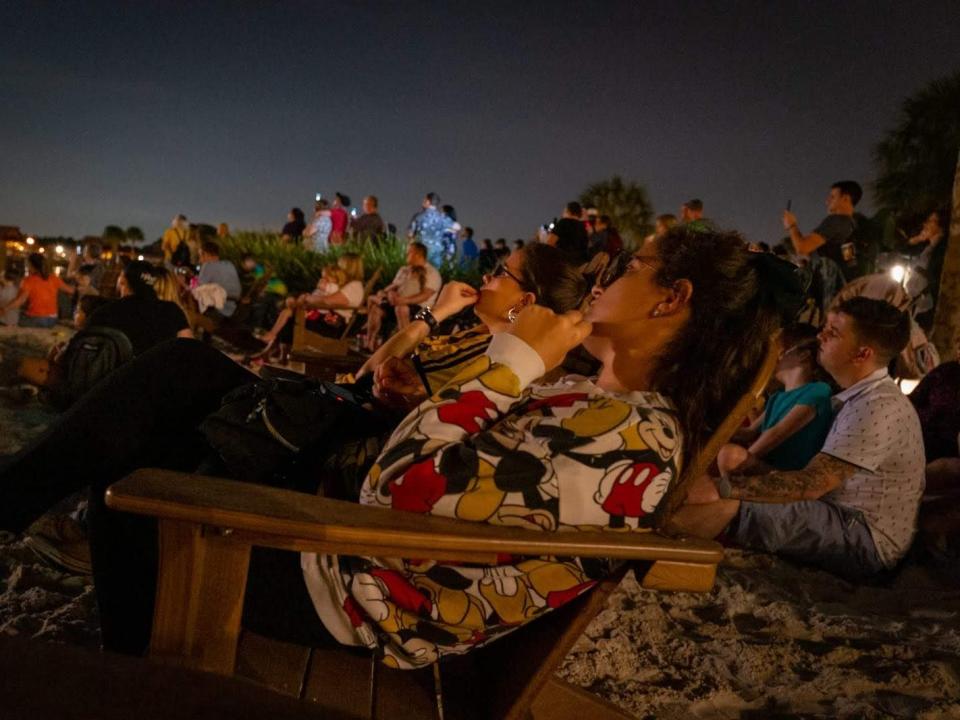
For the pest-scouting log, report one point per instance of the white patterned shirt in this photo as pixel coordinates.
(878, 430)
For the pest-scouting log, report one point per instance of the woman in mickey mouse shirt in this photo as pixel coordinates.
(680, 330)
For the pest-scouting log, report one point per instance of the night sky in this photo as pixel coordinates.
(127, 113)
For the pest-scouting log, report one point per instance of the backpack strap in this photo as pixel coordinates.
(117, 336)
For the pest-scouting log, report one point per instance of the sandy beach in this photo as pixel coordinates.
(772, 640)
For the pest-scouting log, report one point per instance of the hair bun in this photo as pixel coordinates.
(779, 284)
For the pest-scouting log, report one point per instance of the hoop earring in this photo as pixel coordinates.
(512, 314)
(656, 312)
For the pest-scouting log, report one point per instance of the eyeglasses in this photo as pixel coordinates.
(501, 270)
(619, 266)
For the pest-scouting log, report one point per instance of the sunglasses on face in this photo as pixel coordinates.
(502, 270)
(620, 265)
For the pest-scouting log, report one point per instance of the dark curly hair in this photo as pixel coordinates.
(712, 361)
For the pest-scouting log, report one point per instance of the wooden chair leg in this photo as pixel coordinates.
(679, 576)
(200, 588)
(559, 700)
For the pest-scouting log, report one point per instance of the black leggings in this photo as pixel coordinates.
(146, 415)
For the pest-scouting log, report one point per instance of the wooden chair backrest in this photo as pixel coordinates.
(701, 462)
(371, 282)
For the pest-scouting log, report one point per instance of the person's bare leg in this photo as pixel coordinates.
(374, 321)
(705, 514)
(282, 319)
(730, 457)
(735, 458)
(706, 520)
(403, 316)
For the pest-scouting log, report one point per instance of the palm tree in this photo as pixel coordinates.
(914, 160)
(627, 205)
(134, 234)
(916, 169)
(946, 319)
(113, 237)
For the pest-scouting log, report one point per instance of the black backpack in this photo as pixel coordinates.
(272, 430)
(93, 353)
(181, 256)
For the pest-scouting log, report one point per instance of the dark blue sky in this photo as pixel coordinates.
(127, 113)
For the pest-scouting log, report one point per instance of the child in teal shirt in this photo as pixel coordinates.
(795, 421)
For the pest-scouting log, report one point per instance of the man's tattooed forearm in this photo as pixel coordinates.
(776, 484)
(822, 475)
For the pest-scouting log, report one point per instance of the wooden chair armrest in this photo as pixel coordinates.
(261, 515)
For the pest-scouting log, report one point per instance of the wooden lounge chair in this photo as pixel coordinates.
(308, 344)
(208, 526)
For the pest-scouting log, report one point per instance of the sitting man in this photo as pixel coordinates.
(853, 509)
(416, 283)
(214, 271)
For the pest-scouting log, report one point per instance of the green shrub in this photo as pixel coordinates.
(300, 268)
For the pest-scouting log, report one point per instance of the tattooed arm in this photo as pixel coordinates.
(821, 475)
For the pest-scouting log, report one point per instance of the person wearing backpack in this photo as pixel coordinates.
(176, 248)
(139, 313)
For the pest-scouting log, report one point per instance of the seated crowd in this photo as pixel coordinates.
(481, 424)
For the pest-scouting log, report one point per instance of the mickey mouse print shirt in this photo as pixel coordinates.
(490, 447)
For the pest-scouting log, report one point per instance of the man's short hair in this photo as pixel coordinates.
(210, 248)
(372, 199)
(695, 204)
(879, 325)
(94, 250)
(419, 247)
(433, 198)
(851, 188)
(468, 231)
(574, 208)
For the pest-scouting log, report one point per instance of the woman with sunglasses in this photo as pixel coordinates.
(680, 329)
(412, 364)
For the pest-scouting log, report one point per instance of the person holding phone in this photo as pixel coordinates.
(833, 237)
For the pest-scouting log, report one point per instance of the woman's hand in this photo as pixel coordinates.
(551, 335)
(454, 297)
(397, 384)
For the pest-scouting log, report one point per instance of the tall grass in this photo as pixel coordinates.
(300, 268)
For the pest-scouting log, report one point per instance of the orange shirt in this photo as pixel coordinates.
(42, 294)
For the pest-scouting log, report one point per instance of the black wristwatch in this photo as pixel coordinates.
(427, 316)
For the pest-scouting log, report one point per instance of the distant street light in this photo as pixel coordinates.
(30, 241)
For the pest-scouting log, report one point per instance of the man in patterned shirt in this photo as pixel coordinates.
(428, 226)
(853, 509)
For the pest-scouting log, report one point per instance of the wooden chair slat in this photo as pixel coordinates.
(287, 519)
